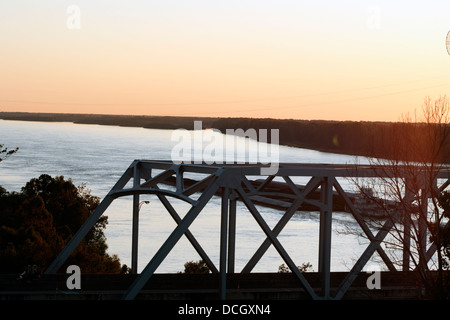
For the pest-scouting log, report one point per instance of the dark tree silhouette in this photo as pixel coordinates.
(36, 223)
(418, 150)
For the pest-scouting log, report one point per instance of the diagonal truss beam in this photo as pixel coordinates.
(231, 182)
(313, 183)
(188, 234)
(363, 259)
(273, 239)
(162, 196)
(90, 222)
(363, 225)
(164, 250)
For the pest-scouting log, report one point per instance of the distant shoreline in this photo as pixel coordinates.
(161, 122)
(149, 122)
(357, 138)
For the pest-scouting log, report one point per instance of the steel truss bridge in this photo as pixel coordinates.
(231, 182)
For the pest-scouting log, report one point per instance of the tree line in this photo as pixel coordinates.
(37, 222)
(368, 139)
(361, 138)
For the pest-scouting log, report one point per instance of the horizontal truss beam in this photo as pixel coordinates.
(231, 182)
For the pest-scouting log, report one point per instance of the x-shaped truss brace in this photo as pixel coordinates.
(232, 184)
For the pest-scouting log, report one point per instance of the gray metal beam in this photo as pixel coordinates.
(153, 190)
(223, 243)
(363, 225)
(230, 177)
(198, 186)
(310, 186)
(178, 232)
(188, 234)
(146, 174)
(326, 195)
(367, 254)
(89, 223)
(407, 200)
(158, 179)
(261, 222)
(135, 223)
(232, 235)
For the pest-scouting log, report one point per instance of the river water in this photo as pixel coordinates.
(98, 155)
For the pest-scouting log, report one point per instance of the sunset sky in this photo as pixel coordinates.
(333, 60)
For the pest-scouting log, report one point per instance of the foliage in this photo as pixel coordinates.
(369, 139)
(36, 224)
(405, 188)
(444, 230)
(192, 267)
(305, 267)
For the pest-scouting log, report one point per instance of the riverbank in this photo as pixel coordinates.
(150, 122)
(356, 138)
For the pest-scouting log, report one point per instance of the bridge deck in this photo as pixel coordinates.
(271, 286)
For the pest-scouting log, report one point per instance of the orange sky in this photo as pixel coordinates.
(340, 60)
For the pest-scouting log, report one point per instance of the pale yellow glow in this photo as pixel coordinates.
(277, 59)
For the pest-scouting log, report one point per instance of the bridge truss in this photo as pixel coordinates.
(167, 180)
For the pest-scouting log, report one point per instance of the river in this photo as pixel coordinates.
(97, 156)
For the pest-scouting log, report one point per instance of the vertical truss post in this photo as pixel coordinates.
(326, 195)
(176, 234)
(310, 186)
(223, 243)
(406, 244)
(188, 234)
(275, 242)
(409, 197)
(423, 217)
(232, 234)
(231, 183)
(146, 174)
(135, 228)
